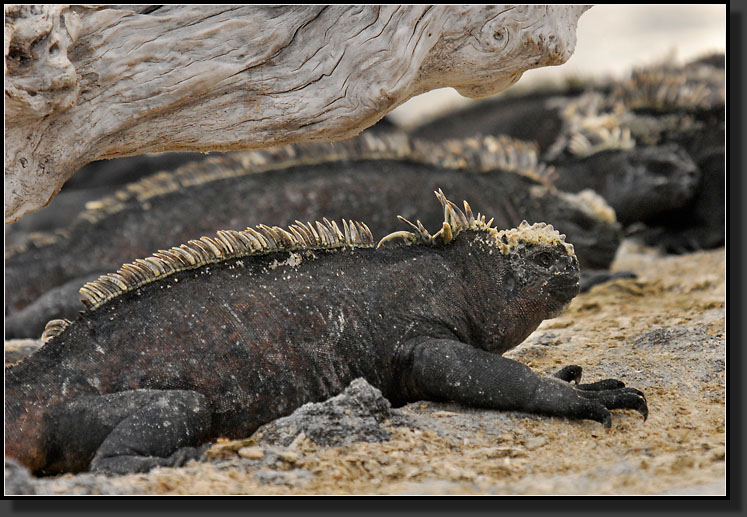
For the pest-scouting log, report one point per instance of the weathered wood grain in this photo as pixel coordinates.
(86, 83)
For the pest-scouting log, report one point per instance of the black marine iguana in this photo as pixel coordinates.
(657, 140)
(363, 178)
(684, 106)
(652, 146)
(218, 336)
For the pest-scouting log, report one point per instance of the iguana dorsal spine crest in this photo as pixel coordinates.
(225, 245)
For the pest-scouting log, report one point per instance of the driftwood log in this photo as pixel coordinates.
(86, 83)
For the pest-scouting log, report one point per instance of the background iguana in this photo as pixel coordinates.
(651, 145)
(364, 178)
(218, 336)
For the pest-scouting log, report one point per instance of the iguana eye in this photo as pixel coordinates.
(544, 259)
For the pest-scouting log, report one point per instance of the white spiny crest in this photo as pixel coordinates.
(54, 328)
(225, 245)
(603, 140)
(666, 87)
(455, 221)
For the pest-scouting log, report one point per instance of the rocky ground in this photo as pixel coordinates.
(663, 333)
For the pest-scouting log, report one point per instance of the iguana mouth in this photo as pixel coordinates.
(564, 288)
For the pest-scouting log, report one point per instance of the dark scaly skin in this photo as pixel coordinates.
(701, 222)
(220, 350)
(368, 190)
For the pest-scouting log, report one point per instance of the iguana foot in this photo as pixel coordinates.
(617, 398)
(127, 464)
(604, 395)
(162, 429)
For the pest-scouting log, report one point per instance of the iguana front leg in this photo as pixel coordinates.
(444, 369)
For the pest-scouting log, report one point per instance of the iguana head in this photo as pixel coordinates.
(648, 182)
(532, 271)
(536, 278)
(542, 268)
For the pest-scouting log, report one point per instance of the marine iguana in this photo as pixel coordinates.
(218, 336)
(684, 106)
(642, 185)
(363, 178)
(652, 145)
(639, 182)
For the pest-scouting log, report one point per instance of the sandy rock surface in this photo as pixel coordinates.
(663, 333)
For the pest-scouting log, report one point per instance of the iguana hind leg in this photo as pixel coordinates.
(134, 431)
(443, 369)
